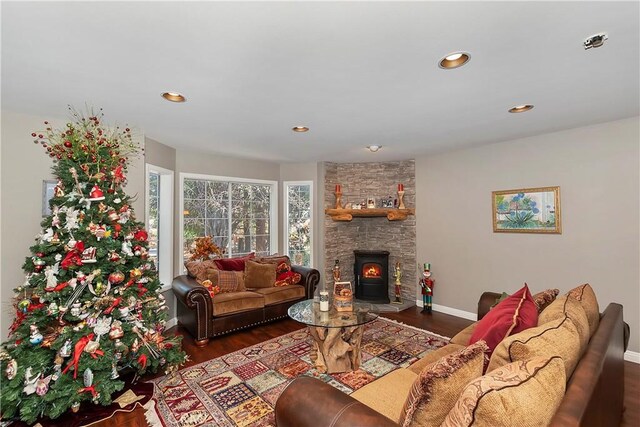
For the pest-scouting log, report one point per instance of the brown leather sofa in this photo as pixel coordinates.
(205, 317)
(593, 397)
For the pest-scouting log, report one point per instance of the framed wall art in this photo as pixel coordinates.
(527, 210)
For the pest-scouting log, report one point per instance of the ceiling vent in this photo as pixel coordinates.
(594, 41)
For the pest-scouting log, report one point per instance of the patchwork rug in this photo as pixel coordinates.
(241, 388)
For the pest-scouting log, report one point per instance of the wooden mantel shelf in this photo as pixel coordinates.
(349, 214)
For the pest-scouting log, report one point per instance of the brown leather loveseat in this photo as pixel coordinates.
(205, 317)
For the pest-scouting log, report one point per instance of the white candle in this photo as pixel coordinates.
(324, 301)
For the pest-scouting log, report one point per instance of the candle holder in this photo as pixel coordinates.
(400, 201)
(338, 199)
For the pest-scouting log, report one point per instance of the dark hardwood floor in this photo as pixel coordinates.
(441, 324)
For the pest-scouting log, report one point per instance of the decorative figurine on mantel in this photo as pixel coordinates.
(338, 193)
(426, 286)
(401, 196)
(397, 274)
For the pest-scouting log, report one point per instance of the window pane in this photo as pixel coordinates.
(299, 223)
(153, 221)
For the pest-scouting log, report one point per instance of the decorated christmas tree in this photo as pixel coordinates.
(90, 309)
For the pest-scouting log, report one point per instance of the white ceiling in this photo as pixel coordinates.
(356, 73)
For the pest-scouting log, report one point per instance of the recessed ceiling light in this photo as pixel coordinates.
(173, 97)
(520, 108)
(374, 148)
(595, 40)
(300, 129)
(454, 60)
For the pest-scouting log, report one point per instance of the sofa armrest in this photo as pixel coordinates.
(310, 278)
(310, 402)
(487, 299)
(196, 316)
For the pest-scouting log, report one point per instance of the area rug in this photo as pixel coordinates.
(241, 388)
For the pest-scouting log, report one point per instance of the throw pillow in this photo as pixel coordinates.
(227, 281)
(198, 269)
(275, 259)
(556, 338)
(234, 264)
(587, 299)
(514, 314)
(568, 307)
(258, 275)
(544, 298)
(438, 386)
(524, 393)
(284, 275)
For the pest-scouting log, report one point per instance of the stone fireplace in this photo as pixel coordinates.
(359, 182)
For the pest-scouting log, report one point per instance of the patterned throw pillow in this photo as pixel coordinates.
(198, 269)
(524, 393)
(587, 299)
(275, 259)
(284, 275)
(438, 386)
(227, 281)
(514, 314)
(568, 307)
(544, 298)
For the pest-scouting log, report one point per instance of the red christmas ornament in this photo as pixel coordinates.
(116, 277)
(141, 235)
(96, 194)
(68, 144)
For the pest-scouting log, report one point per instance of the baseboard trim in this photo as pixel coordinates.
(171, 323)
(451, 311)
(632, 356)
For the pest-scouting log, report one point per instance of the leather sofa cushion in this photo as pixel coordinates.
(556, 338)
(434, 356)
(499, 397)
(235, 302)
(276, 295)
(464, 335)
(386, 395)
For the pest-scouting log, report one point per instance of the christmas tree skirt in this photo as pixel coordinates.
(241, 388)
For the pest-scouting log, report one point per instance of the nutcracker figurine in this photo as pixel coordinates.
(426, 285)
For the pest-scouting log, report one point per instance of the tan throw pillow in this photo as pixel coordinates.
(556, 338)
(228, 281)
(464, 335)
(438, 386)
(587, 298)
(524, 393)
(198, 269)
(544, 298)
(569, 307)
(258, 275)
(275, 259)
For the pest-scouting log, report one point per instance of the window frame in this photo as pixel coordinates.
(273, 206)
(285, 196)
(165, 228)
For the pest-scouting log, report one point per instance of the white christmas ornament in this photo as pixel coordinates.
(51, 273)
(42, 386)
(46, 236)
(72, 219)
(30, 381)
(12, 369)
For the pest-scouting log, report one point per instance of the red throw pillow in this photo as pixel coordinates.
(284, 275)
(514, 314)
(234, 264)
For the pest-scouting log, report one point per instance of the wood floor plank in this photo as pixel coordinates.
(439, 323)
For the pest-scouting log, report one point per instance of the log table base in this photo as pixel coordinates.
(336, 349)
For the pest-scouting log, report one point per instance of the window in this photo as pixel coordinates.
(299, 231)
(240, 215)
(159, 224)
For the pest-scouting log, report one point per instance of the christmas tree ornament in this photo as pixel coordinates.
(30, 381)
(102, 207)
(58, 190)
(75, 309)
(114, 257)
(89, 255)
(116, 331)
(42, 385)
(12, 369)
(96, 194)
(47, 235)
(75, 407)
(113, 216)
(141, 235)
(55, 239)
(23, 305)
(126, 249)
(51, 274)
(102, 327)
(100, 232)
(87, 377)
(114, 371)
(136, 273)
(52, 310)
(116, 277)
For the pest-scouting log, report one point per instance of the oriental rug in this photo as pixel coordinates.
(241, 388)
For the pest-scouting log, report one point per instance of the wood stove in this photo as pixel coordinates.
(371, 272)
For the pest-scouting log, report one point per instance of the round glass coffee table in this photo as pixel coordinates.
(336, 334)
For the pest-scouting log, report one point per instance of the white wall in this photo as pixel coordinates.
(24, 166)
(597, 170)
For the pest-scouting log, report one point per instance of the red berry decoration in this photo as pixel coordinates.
(68, 144)
(40, 254)
(33, 134)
